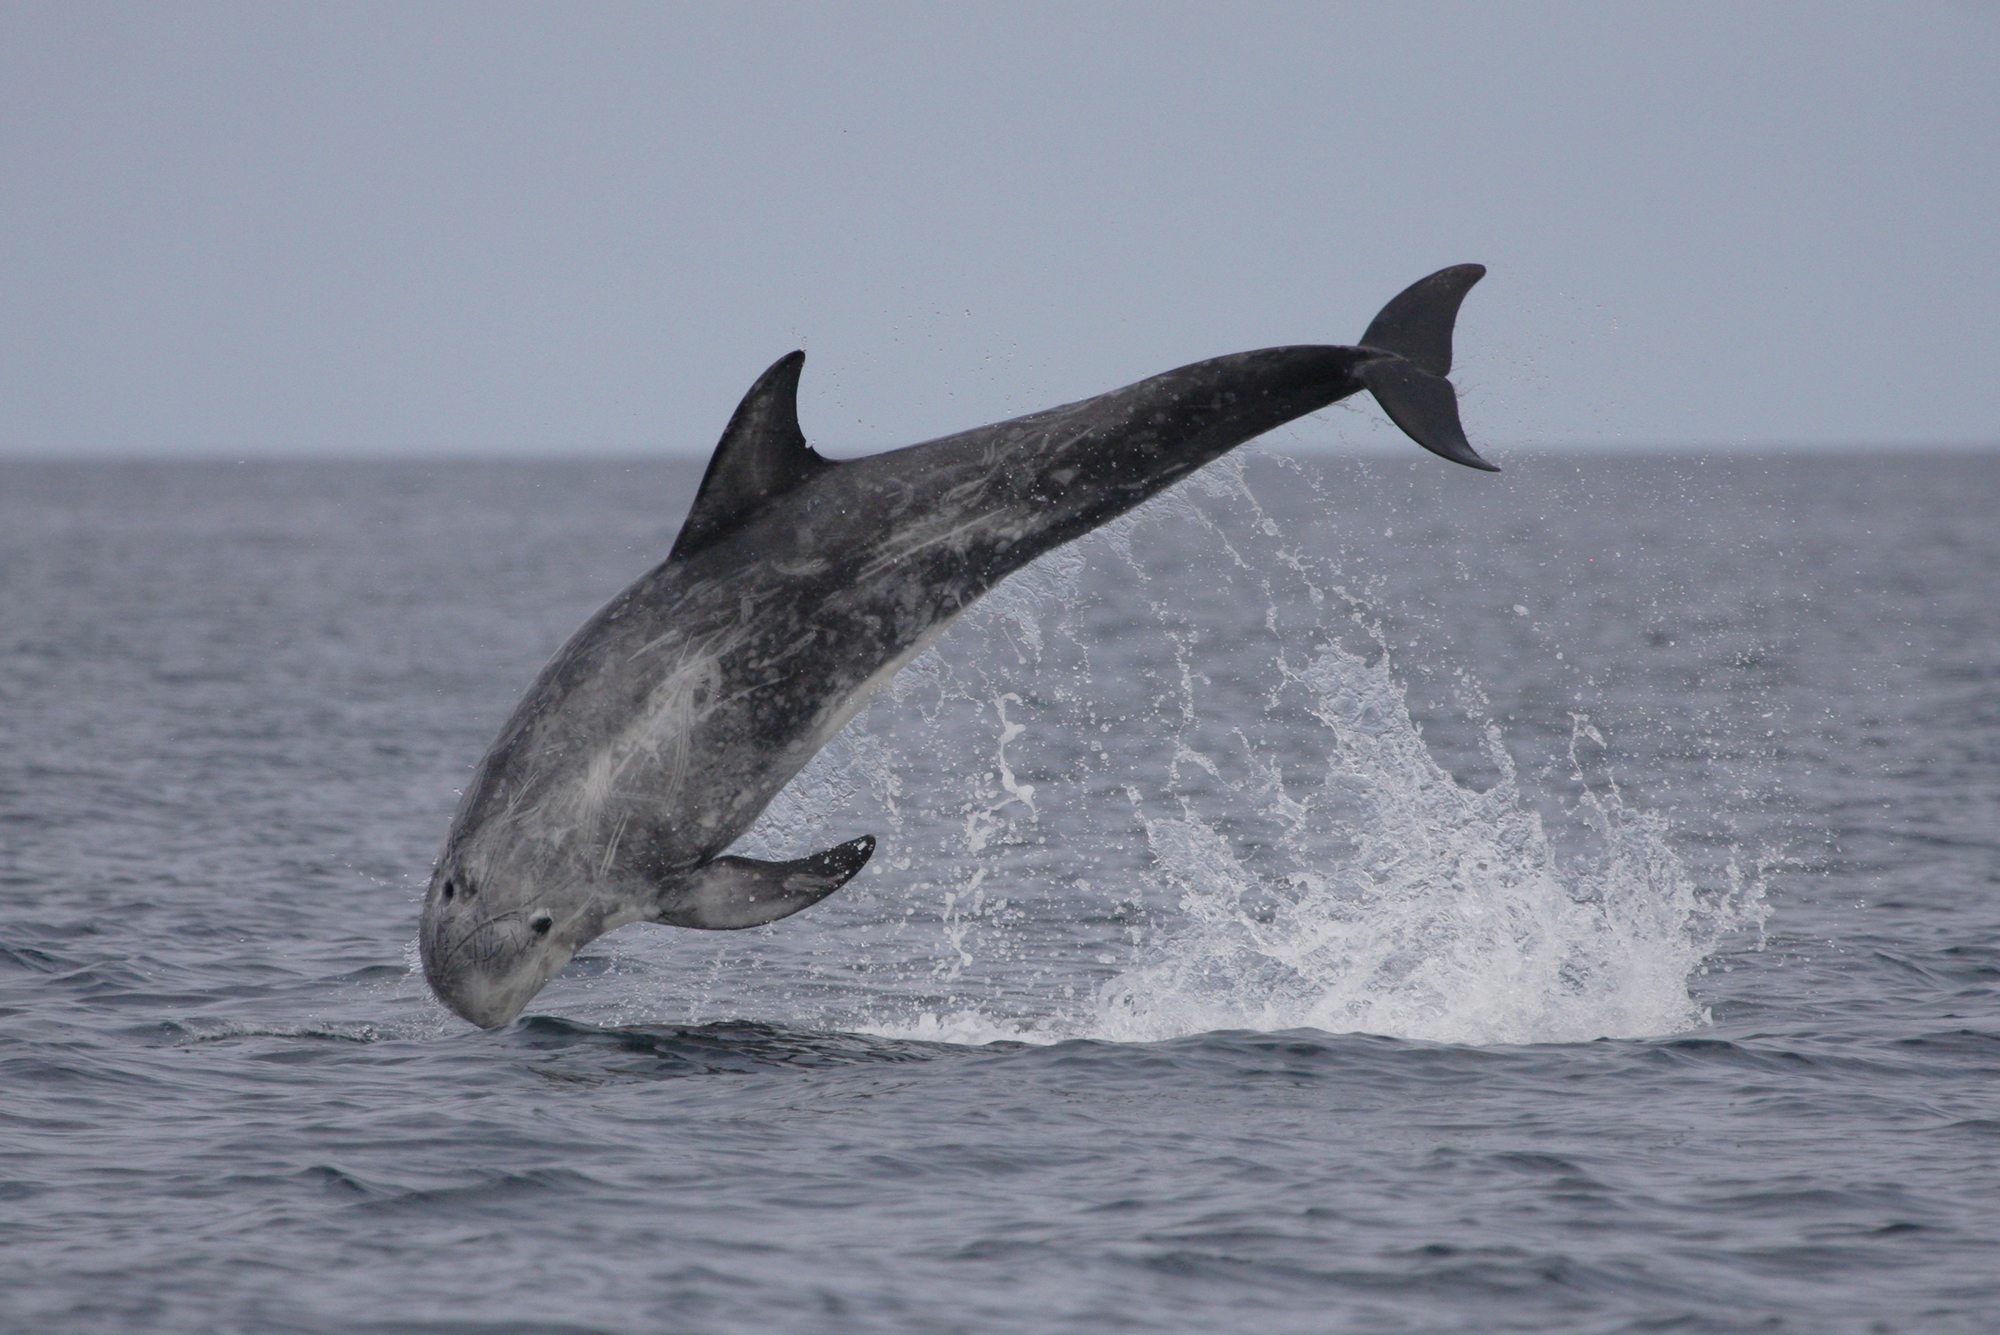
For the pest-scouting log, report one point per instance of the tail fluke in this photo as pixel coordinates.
(1415, 329)
(1424, 405)
(1416, 324)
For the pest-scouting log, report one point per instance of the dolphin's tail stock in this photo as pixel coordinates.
(1117, 449)
(1410, 384)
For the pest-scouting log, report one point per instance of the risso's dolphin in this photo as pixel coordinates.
(798, 586)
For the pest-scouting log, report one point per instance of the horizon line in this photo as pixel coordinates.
(837, 453)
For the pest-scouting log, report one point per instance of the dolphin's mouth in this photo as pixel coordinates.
(488, 1017)
(457, 957)
(451, 958)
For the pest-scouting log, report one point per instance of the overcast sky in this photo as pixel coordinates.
(496, 228)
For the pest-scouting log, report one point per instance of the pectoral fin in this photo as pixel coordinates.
(733, 892)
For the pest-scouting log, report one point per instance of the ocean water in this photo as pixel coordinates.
(1349, 894)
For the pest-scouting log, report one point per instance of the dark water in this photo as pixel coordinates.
(1360, 895)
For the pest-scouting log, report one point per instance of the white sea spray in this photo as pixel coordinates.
(1386, 894)
(1205, 801)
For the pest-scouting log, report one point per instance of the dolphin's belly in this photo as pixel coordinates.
(663, 731)
(671, 720)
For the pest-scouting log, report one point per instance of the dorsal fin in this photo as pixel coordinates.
(762, 455)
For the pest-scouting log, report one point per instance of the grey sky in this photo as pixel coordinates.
(363, 228)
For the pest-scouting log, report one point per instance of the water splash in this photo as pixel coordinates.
(1453, 918)
(1281, 847)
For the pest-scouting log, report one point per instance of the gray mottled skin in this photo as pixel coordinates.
(673, 717)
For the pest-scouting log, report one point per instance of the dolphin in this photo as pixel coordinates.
(796, 589)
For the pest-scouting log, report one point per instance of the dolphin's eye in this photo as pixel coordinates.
(541, 923)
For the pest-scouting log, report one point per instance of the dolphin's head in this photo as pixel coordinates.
(490, 942)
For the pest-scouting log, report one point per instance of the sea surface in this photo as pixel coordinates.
(1348, 895)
